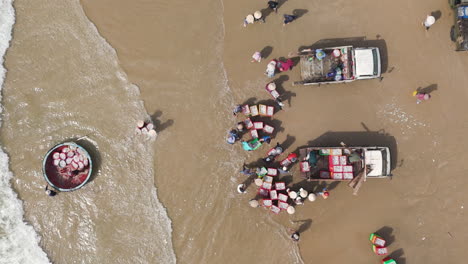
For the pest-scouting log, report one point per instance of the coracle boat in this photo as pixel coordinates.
(67, 167)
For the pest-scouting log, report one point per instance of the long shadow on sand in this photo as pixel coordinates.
(428, 89)
(287, 143)
(158, 125)
(299, 12)
(284, 95)
(386, 233)
(266, 51)
(436, 14)
(304, 226)
(398, 256)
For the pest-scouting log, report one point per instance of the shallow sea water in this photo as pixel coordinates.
(63, 83)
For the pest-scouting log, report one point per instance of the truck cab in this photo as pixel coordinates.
(367, 63)
(378, 161)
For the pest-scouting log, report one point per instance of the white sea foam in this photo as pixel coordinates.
(18, 241)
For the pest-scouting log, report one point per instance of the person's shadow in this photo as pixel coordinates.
(284, 95)
(266, 51)
(428, 89)
(386, 233)
(399, 256)
(266, 12)
(158, 125)
(304, 226)
(436, 14)
(299, 12)
(288, 142)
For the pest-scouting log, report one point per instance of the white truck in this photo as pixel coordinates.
(338, 64)
(352, 164)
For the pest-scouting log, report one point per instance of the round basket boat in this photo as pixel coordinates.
(67, 167)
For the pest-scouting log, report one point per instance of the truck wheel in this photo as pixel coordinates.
(452, 34)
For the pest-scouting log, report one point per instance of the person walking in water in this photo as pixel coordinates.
(49, 192)
(288, 19)
(241, 188)
(430, 20)
(421, 97)
(294, 235)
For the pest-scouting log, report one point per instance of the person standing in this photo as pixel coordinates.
(247, 171)
(430, 20)
(295, 235)
(271, 69)
(273, 5)
(253, 203)
(288, 19)
(49, 192)
(241, 188)
(284, 65)
(232, 137)
(257, 57)
(249, 19)
(266, 139)
(420, 97)
(237, 110)
(240, 127)
(324, 193)
(258, 16)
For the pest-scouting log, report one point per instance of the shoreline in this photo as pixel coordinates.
(17, 234)
(181, 82)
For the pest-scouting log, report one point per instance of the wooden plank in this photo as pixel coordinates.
(356, 183)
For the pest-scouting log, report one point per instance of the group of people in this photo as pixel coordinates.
(278, 65)
(146, 128)
(237, 133)
(257, 16)
(300, 196)
(297, 197)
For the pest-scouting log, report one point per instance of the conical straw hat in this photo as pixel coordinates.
(293, 195)
(430, 20)
(253, 203)
(272, 86)
(258, 14)
(152, 133)
(250, 19)
(291, 210)
(303, 193)
(312, 197)
(140, 123)
(258, 182)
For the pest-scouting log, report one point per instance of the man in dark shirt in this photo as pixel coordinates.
(273, 5)
(50, 192)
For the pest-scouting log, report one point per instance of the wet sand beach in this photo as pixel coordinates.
(185, 65)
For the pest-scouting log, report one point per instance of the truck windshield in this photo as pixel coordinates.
(375, 56)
